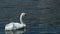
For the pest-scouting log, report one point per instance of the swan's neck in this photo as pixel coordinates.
(21, 19)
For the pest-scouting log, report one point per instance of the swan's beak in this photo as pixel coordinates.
(25, 14)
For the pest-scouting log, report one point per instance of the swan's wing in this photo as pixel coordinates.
(18, 25)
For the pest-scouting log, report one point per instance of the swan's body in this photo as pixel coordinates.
(14, 26)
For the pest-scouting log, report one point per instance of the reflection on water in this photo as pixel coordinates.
(15, 32)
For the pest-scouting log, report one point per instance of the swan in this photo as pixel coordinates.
(14, 25)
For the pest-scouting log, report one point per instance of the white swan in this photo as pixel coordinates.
(14, 26)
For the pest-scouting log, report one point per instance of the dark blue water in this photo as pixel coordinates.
(43, 15)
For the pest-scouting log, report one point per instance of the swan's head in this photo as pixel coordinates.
(23, 14)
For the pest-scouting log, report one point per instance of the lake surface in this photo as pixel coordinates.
(43, 16)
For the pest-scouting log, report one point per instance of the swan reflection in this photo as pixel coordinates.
(15, 32)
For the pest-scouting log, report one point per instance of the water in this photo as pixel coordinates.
(43, 16)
